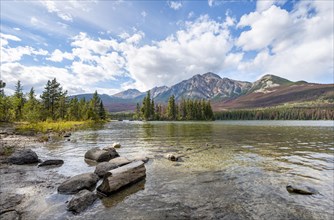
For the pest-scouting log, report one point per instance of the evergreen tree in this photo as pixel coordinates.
(18, 101)
(171, 108)
(102, 111)
(32, 108)
(50, 98)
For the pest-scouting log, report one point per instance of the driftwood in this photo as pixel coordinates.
(117, 178)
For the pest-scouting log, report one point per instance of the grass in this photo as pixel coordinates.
(53, 126)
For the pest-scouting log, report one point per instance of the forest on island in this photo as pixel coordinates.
(184, 110)
(53, 105)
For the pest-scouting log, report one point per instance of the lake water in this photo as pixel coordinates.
(229, 170)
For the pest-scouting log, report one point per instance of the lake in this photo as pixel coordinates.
(229, 170)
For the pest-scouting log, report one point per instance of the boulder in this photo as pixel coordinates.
(10, 215)
(116, 145)
(112, 151)
(171, 157)
(23, 157)
(78, 182)
(304, 190)
(140, 158)
(51, 163)
(102, 168)
(101, 155)
(81, 201)
(117, 178)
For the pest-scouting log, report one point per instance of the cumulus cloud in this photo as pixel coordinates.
(202, 46)
(262, 5)
(298, 45)
(175, 5)
(58, 56)
(14, 54)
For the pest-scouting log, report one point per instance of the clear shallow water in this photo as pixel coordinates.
(229, 170)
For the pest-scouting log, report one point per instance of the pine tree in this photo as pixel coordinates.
(102, 111)
(50, 98)
(171, 108)
(18, 101)
(32, 108)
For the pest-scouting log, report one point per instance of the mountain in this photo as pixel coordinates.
(225, 93)
(113, 104)
(128, 94)
(280, 94)
(206, 86)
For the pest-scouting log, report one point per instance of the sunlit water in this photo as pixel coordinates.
(229, 170)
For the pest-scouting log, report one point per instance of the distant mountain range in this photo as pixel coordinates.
(225, 93)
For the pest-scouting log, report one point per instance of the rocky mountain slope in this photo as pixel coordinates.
(225, 93)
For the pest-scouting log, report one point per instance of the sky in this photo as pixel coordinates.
(111, 46)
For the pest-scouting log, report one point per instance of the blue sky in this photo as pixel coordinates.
(110, 46)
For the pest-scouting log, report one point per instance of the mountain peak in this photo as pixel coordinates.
(128, 94)
(211, 75)
(267, 82)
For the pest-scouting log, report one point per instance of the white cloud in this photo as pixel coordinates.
(262, 5)
(52, 8)
(58, 56)
(298, 45)
(203, 46)
(143, 14)
(275, 19)
(175, 5)
(14, 54)
(211, 3)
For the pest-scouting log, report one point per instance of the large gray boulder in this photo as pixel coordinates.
(117, 178)
(78, 182)
(101, 155)
(81, 201)
(102, 168)
(26, 156)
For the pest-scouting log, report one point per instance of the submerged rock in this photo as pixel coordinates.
(51, 163)
(102, 168)
(101, 155)
(67, 135)
(81, 201)
(117, 178)
(78, 182)
(116, 145)
(171, 157)
(23, 157)
(304, 190)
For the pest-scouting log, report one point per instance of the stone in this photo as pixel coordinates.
(51, 163)
(116, 145)
(10, 215)
(140, 158)
(304, 190)
(78, 182)
(171, 157)
(123, 176)
(26, 156)
(81, 201)
(101, 155)
(67, 135)
(102, 168)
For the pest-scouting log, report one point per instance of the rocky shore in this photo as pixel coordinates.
(26, 180)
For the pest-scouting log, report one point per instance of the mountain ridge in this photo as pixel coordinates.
(225, 93)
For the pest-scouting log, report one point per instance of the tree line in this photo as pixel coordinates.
(293, 113)
(184, 110)
(54, 104)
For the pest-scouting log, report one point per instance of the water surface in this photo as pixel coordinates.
(229, 170)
